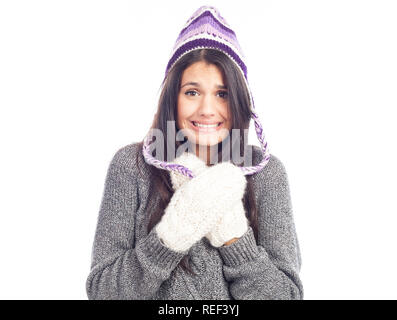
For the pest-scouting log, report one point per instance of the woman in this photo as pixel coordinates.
(203, 225)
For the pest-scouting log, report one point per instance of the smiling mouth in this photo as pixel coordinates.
(200, 125)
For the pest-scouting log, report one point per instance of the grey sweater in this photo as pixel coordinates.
(129, 263)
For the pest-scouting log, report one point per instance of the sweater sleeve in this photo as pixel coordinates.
(120, 268)
(269, 269)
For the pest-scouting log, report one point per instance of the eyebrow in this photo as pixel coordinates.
(198, 85)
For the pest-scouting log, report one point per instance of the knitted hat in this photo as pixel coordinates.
(206, 28)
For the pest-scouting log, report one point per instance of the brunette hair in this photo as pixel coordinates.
(239, 107)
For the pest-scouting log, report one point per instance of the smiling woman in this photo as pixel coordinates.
(223, 232)
(203, 90)
(203, 106)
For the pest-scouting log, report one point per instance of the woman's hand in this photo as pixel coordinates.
(198, 204)
(232, 226)
(233, 223)
(191, 161)
(228, 243)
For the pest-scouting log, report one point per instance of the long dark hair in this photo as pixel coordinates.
(239, 107)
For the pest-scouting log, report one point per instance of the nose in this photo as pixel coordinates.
(207, 106)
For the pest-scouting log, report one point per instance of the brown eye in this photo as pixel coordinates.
(223, 94)
(188, 92)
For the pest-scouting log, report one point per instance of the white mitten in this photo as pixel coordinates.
(199, 203)
(233, 224)
(191, 161)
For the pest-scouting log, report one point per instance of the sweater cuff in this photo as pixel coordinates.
(158, 254)
(242, 250)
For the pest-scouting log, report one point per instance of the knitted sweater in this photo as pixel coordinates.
(127, 262)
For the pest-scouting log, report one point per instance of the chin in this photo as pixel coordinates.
(208, 143)
(206, 139)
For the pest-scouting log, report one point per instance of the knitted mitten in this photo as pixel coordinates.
(198, 204)
(233, 224)
(191, 161)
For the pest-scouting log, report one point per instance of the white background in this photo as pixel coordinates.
(80, 79)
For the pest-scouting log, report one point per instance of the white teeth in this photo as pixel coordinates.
(205, 125)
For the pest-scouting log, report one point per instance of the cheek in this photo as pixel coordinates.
(181, 113)
(226, 115)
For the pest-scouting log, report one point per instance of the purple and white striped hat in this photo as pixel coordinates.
(206, 28)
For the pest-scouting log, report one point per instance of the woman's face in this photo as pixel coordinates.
(203, 105)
